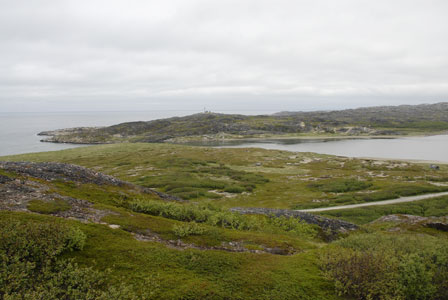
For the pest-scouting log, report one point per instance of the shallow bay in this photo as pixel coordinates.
(429, 148)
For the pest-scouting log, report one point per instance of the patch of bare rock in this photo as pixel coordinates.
(440, 223)
(16, 194)
(51, 171)
(234, 246)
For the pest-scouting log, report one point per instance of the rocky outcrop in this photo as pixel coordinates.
(51, 171)
(16, 194)
(58, 171)
(77, 135)
(324, 223)
(443, 226)
(234, 246)
(20, 190)
(4, 179)
(439, 223)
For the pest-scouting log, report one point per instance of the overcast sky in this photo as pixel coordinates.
(81, 55)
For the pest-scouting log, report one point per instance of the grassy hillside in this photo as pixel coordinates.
(225, 259)
(254, 177)
(142, 246)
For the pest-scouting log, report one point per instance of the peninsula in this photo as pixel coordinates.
(369, 122)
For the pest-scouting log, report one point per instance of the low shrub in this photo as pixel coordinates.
(197, 213)
(437, 179)
(362, 275)
(48, 207)
(295, 225)
(221, 218)
(193, 180)
(38, 241)
(191, 228)
(31, 266)
(384, 266)
(340, 185)
(75, 239)
(235, 189)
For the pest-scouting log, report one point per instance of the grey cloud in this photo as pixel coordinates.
(226, 54)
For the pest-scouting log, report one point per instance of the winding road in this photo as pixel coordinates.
(384, 202)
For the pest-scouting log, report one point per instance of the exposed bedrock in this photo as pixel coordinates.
(51, 171)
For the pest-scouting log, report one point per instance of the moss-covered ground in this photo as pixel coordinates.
(226, 178)
(254, 177)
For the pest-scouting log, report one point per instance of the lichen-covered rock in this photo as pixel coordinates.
(58, 171)
(4, 179)
(51, 171)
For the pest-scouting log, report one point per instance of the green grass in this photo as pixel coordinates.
(341, 185)
(425, 208)
(254, 177)
(221, 275)
(213, 180)
(389, 192)
(48, 207)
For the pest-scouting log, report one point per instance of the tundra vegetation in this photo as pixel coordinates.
(67, 238)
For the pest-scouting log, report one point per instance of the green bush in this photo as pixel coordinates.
(340, 185)
(31, 266)
(233, 220)
(221, 218)
(234, 189)
(38, 242)
(384, 266)
(294, 225)
(191, 228)
(362, 275)
(200, 214)
(75, 239)
(171, 210)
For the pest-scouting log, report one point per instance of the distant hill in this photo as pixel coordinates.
(370, 121)
(403, 116)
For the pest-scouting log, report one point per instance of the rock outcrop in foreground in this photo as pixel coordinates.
(30, 187)
(16, 192)
(51, 171)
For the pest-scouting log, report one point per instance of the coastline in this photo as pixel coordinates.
(273, 139)
(414, 161)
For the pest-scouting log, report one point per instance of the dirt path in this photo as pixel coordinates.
(384, 202)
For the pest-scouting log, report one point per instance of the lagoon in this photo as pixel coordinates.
(428, 148)
(18, 134)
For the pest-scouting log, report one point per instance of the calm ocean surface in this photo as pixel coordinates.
(18, 131)
(18, 134)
